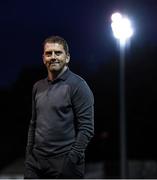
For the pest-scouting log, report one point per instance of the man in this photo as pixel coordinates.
(62, 122)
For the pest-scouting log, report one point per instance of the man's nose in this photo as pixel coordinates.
(53, 56)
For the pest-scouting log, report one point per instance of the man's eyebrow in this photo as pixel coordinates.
(58, 51)
(48, 51)
(54, 51)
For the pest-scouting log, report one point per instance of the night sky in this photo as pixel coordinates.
(85, 24)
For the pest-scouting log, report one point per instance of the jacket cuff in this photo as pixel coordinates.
(76, 156)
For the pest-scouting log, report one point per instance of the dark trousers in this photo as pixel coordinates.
(58, 167)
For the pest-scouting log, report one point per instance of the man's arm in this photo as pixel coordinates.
(83, 106)
(31, 131)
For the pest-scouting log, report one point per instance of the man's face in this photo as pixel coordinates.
(55, 57)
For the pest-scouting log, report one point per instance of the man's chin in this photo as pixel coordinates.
(55, 69)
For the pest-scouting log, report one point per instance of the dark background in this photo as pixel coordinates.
(85, 24)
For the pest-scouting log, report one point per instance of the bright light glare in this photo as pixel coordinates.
(116, 17)
(121, 27)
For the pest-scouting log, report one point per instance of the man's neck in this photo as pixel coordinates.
(52, 75)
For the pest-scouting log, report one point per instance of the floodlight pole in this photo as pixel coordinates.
(122, 30)
(122, 128)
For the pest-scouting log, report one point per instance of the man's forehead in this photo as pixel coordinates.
(53, 46)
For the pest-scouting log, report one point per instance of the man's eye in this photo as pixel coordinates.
(58, 53)
(48, 53)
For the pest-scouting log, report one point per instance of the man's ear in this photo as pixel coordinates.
(43, 59)
(68, 59)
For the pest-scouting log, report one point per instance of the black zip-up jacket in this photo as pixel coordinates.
(62, 116)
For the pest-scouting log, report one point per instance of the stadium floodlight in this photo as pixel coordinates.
(121, 27)
(122, 31)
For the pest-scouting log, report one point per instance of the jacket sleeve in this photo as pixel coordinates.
(31, 130)
(83, 106)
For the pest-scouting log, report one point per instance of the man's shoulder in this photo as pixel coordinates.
(77, 82)
(38, 83)
(79, 86)
(75, 78)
